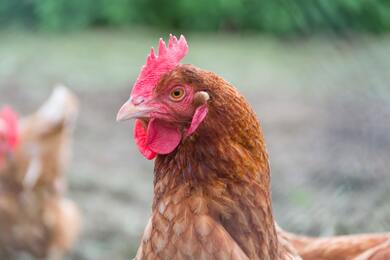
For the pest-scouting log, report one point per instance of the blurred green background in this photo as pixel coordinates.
(316, 72)
(276, 17)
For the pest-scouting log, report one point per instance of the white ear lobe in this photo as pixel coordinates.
(201, 98)
(205, 96)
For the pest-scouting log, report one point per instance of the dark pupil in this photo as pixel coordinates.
(176, 93)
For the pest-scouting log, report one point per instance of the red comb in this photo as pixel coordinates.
(167, 59)
(10, 120)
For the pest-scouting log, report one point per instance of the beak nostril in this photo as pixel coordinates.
(133, 109)
(137, 100)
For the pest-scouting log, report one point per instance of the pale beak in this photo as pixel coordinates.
(130, 111)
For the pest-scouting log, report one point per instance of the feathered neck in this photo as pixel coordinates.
(226, 162)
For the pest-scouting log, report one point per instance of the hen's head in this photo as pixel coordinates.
(9, 135)
(166, 104)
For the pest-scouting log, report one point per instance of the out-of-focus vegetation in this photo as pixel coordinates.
(273, 16)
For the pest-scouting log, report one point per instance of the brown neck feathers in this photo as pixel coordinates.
(225, 162)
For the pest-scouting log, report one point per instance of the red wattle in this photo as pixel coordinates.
(162, 137)
(159, 138)
(140, 137)
(199, 116)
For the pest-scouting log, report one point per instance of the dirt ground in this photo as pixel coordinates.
(324, 105)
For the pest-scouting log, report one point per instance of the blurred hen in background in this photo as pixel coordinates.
(35, 216)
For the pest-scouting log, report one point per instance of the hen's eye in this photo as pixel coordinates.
(177, 94)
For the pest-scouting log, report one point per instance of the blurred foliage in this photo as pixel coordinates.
(273, 16)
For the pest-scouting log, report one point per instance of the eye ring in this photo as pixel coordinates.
(177, 94)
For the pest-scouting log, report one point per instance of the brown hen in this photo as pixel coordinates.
(211, 177)
(35, 217)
